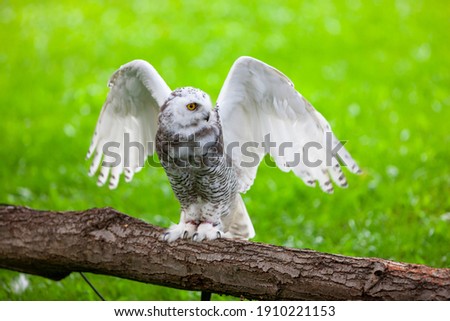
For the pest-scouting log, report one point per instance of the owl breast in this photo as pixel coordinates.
(198, 169)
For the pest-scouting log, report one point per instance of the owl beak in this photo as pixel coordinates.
(207, 117)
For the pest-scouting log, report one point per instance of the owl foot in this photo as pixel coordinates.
(207, 231)
(178, 231)
(195, 231)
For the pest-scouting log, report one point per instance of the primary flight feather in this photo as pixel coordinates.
(211, 155)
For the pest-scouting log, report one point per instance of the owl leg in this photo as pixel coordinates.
(210, 227)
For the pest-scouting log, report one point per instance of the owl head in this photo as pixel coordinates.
(186, 107)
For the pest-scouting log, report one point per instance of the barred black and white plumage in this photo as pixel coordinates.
(211, 155)
(200, 173)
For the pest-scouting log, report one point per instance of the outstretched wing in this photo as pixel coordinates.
(262, 113)
(126, 129)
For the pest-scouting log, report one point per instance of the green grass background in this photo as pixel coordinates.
(379, 71)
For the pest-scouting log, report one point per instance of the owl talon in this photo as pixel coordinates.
(174, 233)
(207, 231)
(193, 230)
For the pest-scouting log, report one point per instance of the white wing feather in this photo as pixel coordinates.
(130, 114)
(257, 100)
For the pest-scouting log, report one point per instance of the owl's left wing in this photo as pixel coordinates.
(127, 125)
(262, 113)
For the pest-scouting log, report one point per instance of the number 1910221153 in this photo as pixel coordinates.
(296, 311)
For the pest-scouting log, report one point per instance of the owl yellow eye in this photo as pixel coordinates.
(191, 106)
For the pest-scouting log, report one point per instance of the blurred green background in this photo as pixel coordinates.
(379, 71)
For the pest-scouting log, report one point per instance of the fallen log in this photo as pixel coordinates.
(105, 241)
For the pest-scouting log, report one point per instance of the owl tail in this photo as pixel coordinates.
(238, 224)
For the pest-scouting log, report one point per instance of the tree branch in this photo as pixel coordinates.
(104, 241)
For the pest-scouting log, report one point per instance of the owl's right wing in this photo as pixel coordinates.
(127, 125)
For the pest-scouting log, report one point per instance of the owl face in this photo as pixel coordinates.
(186, 108)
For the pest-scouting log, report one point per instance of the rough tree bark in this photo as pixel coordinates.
(104, 241)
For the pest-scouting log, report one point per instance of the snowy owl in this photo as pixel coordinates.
(211, 155)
